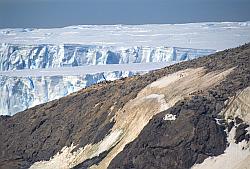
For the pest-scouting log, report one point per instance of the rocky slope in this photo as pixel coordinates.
(177, 117)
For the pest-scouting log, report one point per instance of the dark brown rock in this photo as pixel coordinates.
(238, 120)
(230, 126)
(241, 132)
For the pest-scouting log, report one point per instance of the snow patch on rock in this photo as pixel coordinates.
(169, 117)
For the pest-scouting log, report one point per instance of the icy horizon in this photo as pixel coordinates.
(205, 35)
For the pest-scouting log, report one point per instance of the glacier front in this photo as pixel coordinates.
(19, 56)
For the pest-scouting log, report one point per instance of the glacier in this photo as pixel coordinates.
(19, 56)
(35, 74)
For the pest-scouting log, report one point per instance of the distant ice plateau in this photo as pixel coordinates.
(210, 35)
(40, 65)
